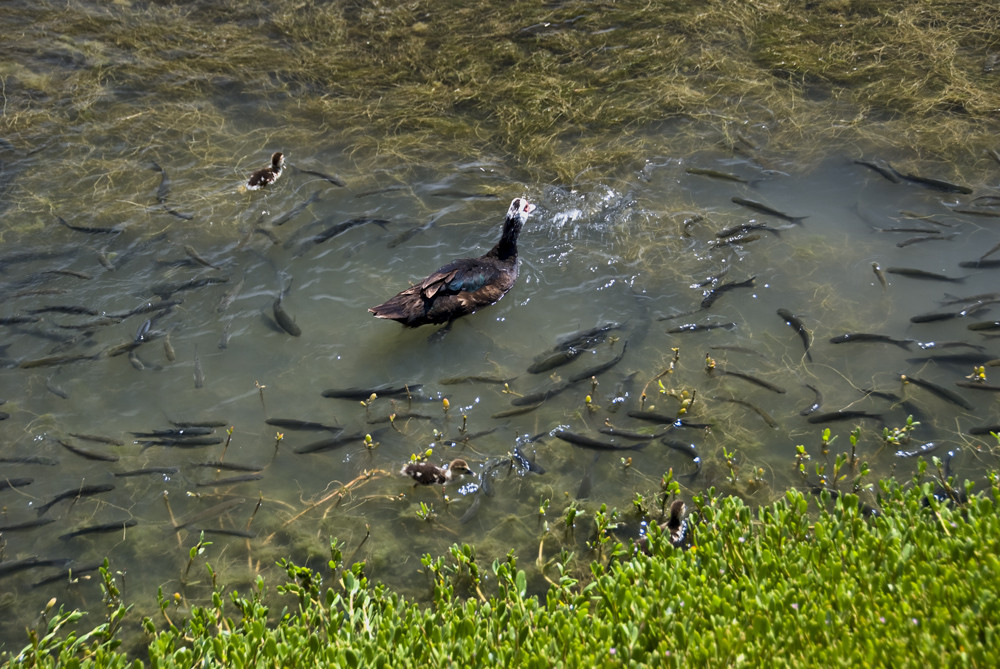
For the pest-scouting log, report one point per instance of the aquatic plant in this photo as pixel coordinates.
(782, 586)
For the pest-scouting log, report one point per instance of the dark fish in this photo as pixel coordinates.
(764, 209)
(626, 434)
(700, 327)
(534, 399)
(54, 389)
(294, 424)
(69, 272)
(766, 417)
(461, 195)
(738, 349)
(688, 449)
(193, 442)
(18, 320)
(295, 211)
(199, 373)
(653, 417)
(796, 324)
(14, 566)
(814, 407)
(54, 360)
(75, 493)
(86, 453)
(330, 444)
(752, 379)
(868, 337)
(587, 338)
(942, 315)
(597, 369)
(194, 255)
(365, 393)
(831, 416)
(231, 466)
(525, 462)
(712, 295)
(67, 574)
(6, 483)
(923, 274)
(286, 322)
(747, 227)
(887, 172)
(928, 238)
(735, 241)
(980, 430)
(30, 460)
(230, 295)
(716, 174)
(976, 385)
(26, 525)
(165, 290)
(63, 309)
(148, 470)
(83, 228)
(923, 449)
(199, 423)
(232, 480)
(117, 526)
(176, 433)
(980, 264)
(211, 512)
(227, 532)
(984, 325)
(934, 184)
(163, 191)
(993, 250)
(455, 380)
(953, 359)
(587, 482)
(935, 389)
(341, 228)
(595, 444)
(548, 361)
(325, 177)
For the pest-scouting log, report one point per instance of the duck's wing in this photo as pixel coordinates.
(467, 275)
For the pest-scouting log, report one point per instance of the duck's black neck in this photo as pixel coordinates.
(506, 248)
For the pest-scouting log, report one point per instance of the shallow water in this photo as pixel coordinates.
(624, 246)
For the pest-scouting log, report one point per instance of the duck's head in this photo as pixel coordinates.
(459, 466)
(277, 160)
(520, 208)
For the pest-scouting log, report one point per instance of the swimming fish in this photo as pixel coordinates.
(796, 324)
(764, 209)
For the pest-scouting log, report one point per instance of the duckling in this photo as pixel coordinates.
(675, 527)
(425, 473)
(267, 175)
(462, 286)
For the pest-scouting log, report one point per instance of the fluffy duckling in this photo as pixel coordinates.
(675, 527)
(267, 175)
(425, 473)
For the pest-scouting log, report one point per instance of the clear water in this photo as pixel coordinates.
(627, 247)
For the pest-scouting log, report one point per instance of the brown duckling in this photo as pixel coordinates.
(425, 473)
(464, 285)
(675, 527)
(267, 175)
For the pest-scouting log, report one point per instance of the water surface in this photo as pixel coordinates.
(633, 244)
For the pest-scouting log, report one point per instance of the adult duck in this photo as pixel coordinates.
(462, 286)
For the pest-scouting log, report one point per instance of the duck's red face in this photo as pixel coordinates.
(520, 207)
